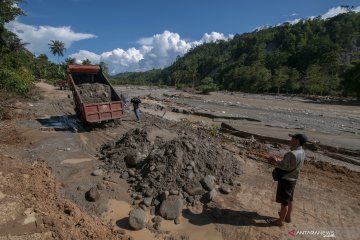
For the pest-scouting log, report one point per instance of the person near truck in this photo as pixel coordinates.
(136, 104)
(123, 99)
(291, 163)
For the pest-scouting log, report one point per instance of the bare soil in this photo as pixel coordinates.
(47, 159)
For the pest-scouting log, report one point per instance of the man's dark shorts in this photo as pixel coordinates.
(285, 191)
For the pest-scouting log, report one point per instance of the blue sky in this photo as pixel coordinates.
(134, 35)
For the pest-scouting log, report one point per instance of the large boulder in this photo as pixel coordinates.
(171, 208)
(137, 219)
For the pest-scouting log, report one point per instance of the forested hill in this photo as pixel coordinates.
(313, 57)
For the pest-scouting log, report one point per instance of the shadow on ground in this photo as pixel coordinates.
(227, 216)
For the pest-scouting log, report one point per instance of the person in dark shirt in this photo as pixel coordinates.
(136, 104)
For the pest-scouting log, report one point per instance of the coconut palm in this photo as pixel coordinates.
(57, 48)
(70, 60)
(86, 62)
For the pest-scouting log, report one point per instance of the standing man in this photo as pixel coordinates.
(136, 104)
(291, 163)
(123, 99)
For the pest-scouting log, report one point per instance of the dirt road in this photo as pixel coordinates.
(47, 161)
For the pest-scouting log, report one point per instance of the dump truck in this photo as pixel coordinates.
(95, 98)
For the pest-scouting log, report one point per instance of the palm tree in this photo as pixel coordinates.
(86, 62)
(57, 48)
(70, 60)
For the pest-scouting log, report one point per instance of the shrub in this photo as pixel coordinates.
(214, 130)
(207, 85)
(18, 81)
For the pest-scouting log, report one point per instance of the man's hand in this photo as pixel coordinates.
(272, 160)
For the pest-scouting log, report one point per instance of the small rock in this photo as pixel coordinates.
(92, 195)
(152, 168)
(235, 183)
(97, 172)
(164, 195)
(152, 211)
(148, 201)
(137, 219)
(131, 159)
(136, 202)
(174, 192)
(190, 199)
(211, 195)
(149, 192)
(156, 202)
(143, 207)
(208, 182)
(177, 221)
(131, 172)
(138, 197)
(171, 208)
(157, 219)
(125, 175)
(194, 188)
(226, 189)
(101, 186)
(80, 188)
(192, 163)
(120, 231)
(189, 174)
(157, 226)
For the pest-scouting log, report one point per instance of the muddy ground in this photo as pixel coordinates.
(47, 161)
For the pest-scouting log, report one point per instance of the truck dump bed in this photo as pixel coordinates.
(95, 98)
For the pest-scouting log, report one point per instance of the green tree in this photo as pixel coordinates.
(104, 67)
(315, 79)
(352, 79)
(57, 48)
(70, 60)
(280, 77)
(207, 85)
(293, 82)
(86, 62)
(9, 10)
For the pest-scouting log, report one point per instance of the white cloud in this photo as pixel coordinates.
(83, 54)
(262, 28)
(332, 12)
(158, 51)
(38, 37)
(295, 21)
(335, 11)
(212, 37)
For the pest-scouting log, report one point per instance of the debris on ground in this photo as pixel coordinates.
(166, 174)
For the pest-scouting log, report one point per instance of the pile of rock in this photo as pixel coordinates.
(165, 175)
(94, 92)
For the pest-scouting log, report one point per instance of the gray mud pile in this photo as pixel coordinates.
(190, 167)
(94, 92)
